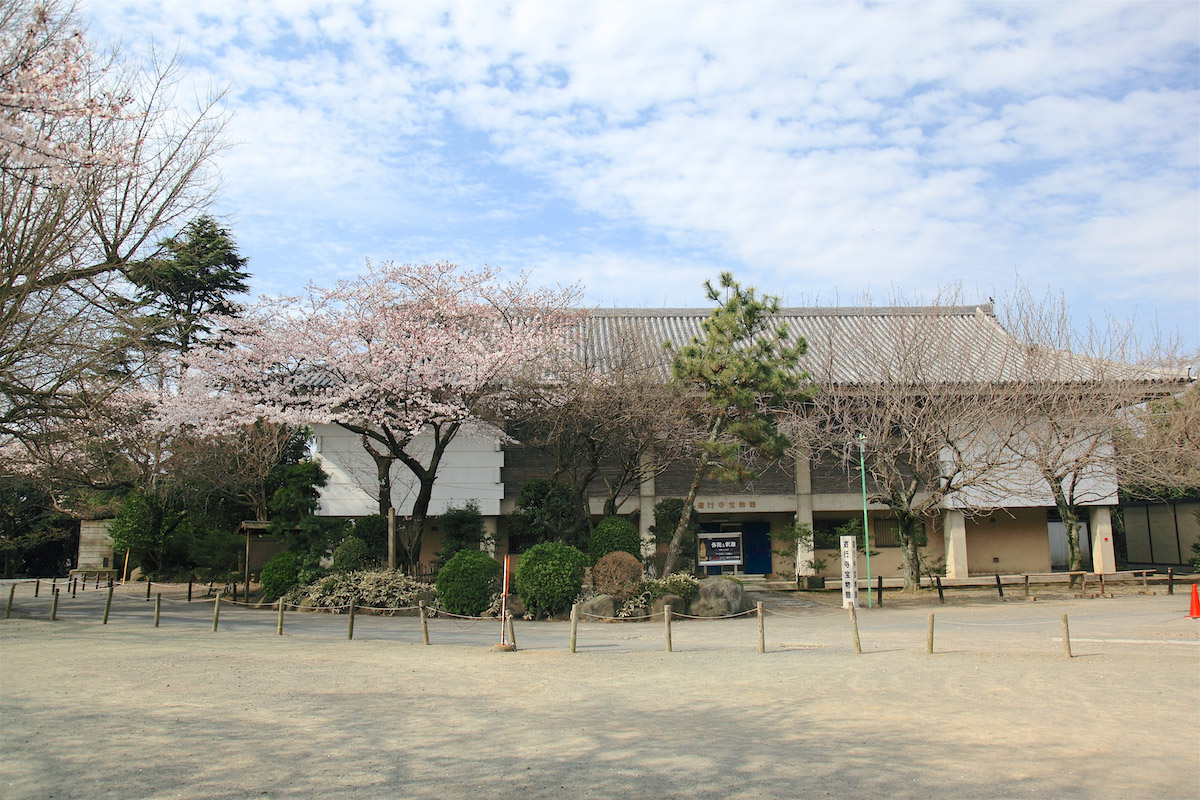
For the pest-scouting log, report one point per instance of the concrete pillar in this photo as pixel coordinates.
(488, 545)
(804, 514)
(1104, 557)
(646, 502)
(954, 529)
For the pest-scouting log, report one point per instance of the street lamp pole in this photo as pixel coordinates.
(862, 472)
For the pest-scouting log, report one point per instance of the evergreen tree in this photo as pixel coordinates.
(737, 375)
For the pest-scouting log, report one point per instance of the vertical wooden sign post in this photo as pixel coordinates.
(849, 572)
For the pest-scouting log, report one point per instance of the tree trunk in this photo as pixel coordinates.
(1070, 520)
(684, 518)
(425, 475)
(910, 550)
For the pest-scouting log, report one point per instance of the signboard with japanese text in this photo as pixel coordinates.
(719, 549)
(849, 571)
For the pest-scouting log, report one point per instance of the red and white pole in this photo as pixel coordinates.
(504, 606)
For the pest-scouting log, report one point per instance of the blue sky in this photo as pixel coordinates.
(819, 151)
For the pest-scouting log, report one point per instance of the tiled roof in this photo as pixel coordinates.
(867, 344)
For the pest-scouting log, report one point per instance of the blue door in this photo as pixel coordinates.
(756, 547)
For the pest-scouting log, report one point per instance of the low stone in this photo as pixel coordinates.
(602, 605)
(719, 597)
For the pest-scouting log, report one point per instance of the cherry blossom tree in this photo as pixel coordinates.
(398, 352)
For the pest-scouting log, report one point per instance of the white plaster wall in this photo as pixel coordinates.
(470, 470)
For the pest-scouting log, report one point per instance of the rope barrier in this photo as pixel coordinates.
(825, 612)
(617, 619)
(725, 616)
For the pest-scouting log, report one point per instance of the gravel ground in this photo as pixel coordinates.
(125, 710)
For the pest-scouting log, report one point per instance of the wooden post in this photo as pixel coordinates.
(74, 587)
(512, 632)
(108, 603)
(1027, 586)
(762, 631)
(1083, 584)
(279, 621)
(854, 630)
(8, 608)
(216, 610)
(1145, 580)
(189, 590)
(879, 589)
(148, 583)
(124, 570)
(929, 637)
(1101, 577)
(54, 606)
(999, 586)
(574, 624)
(667, 625)
(157, 607)
(424, 622)
(1066, 637)
(37, 586)
(1170, 580)
(350, 629)
(941, 596)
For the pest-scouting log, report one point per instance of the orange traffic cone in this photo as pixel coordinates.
(1195, 611)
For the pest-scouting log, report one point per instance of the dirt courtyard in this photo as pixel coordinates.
(128, 711)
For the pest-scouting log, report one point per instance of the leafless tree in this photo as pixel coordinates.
(1083, 392)
(607, 414)
(916, 386)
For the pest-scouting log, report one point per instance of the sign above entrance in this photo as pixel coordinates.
(719, 549)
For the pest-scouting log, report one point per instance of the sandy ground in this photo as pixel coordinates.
(125, 710)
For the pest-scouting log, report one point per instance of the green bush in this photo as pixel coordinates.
(467, 582)
(613, 534)
(280, 575)
(372, 529)
(549, 577)
(461, 529)
(619, 573)
(351, 555)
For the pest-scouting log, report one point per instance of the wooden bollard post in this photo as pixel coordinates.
(148, 583)
(1027, 586)
(189, 590)
(216, 610)
(1066, 637)
(512, 632)
(762, 631)
(929, 637)
(879, 589)
(574, 624)
(424, 622)
(108, 603)
(350, 627)
(279, 621)
(941, 595)
(8, 608)
(1100, 575)
(37, 586)
(999, 586)
(74, 587)
(667, 625)
(53, 585)
(854, 630)
(1145, 580)
(1083, 584)
(54, 606)
(1170, 580)
(157, 607)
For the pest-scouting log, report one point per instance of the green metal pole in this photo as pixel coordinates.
(862, 472)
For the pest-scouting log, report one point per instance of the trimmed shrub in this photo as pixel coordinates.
(386, 589)
(352, 554)
(549, 577)
(372, 529)
(467, 582)
(280, 575)
(618, 574)
(615, 534)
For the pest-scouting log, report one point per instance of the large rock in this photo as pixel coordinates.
(678, 605)
(602, 605)
(719, 597)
